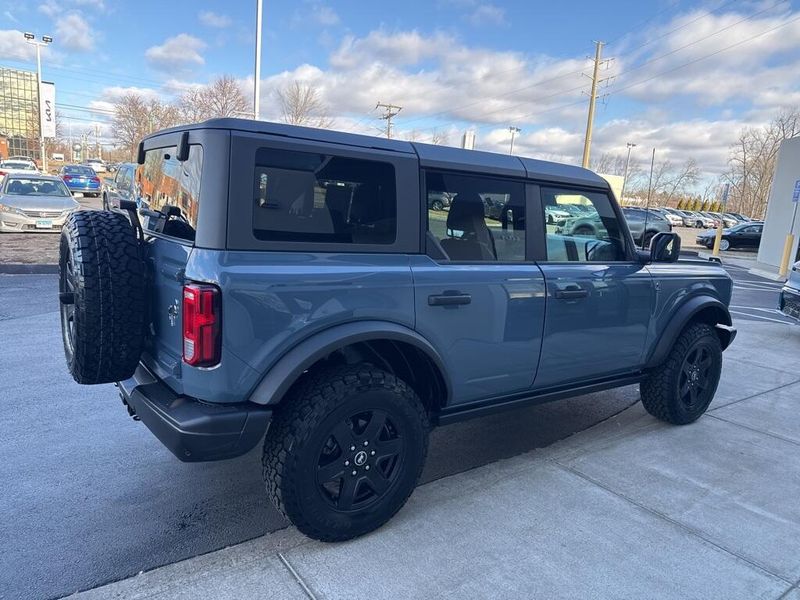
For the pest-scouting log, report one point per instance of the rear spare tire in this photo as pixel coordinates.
(101, 295)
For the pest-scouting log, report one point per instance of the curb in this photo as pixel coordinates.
(27, 269)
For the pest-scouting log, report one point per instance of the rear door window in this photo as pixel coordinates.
(323, 198)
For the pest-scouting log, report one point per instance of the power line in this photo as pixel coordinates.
(390, 111)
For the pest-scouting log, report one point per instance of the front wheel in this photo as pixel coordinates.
(680, 390)
(724, 245)
(345, 452)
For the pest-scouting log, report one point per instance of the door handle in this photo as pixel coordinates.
(571, 292)
(449, 298)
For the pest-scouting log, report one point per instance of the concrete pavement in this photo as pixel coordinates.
(629, 508)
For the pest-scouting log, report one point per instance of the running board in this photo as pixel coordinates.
(480, 408)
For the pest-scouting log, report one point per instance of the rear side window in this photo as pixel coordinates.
(310, 197)
(164, 181)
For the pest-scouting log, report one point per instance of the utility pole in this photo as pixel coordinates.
(625, 177)
(97, 148)
(514, 131)
(649, 191)
(391, 111)
(257, 74)
(46, 39)
(587, 144)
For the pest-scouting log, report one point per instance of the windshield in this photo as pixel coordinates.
(18, 186)
(17, 164)
(79, 171)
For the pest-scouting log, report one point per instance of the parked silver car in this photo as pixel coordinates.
(34, 203)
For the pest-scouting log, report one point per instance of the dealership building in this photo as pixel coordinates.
(19, 113)
(783, 212)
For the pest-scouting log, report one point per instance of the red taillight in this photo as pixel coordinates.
(96, 179)
(66, 177)
(201, 325)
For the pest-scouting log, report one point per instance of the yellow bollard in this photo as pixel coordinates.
(717, 239)
(787, 252)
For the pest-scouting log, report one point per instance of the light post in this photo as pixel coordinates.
(625, 177)
(46, 39)
(257, 75)
(514, 131)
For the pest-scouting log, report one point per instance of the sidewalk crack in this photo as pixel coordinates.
(756, 395)
(296, 576)
(754, 430)
(789, 591)
(690, 530)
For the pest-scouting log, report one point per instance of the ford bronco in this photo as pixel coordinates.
(308, 288)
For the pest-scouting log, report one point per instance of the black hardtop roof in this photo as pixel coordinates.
(430, 155)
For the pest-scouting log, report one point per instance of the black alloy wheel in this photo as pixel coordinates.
(695, 381)
(360, 460)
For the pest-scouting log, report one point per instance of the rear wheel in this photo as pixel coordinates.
(584, 230)
(345, 453)
(680, 390)
(437, 205)
(724, 245)
(101, 295)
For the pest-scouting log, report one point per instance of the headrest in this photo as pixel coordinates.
(465, 210)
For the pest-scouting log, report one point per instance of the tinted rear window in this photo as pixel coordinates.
(310, 197)
(86, 171)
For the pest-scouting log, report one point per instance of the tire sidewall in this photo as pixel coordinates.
(307, 495)
(682, 412)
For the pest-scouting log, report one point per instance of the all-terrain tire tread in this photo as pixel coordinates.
(658, 390)
(109, 295)
(301, 413)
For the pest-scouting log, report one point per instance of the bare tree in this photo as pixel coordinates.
(670, 182)
(301, 104)
(135, 117)
(221, 98)
(440, 138)
(751, 163)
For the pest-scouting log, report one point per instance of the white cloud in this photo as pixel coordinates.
(177, 53)
(13, 46)
(212, 19)
(73, 32)
(324, 15)
(487, 14)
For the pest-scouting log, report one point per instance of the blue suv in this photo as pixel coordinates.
(304, 287)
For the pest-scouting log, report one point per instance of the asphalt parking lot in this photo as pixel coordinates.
(89, 496)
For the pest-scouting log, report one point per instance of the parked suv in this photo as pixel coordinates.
(290, 284)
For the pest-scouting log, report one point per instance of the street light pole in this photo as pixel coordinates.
(625, 177)
(514, 131)
(31, 39)
(257, 75)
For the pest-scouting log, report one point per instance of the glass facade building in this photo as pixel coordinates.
(19, 112)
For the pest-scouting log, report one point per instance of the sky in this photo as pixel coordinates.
(682, 77)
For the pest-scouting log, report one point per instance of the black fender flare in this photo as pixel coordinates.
(285, 372)
(719, 316)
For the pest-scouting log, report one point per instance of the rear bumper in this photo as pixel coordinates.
(193, 431)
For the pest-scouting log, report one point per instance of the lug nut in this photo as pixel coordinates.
(352, 448)
(347, 463)
(366, 443)
(355, 473)
(367, 467)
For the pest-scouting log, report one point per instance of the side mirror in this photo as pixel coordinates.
(665, 247)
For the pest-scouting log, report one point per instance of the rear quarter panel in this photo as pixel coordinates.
(272, 301)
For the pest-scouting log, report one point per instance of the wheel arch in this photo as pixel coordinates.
(702, 309)
(395, 348)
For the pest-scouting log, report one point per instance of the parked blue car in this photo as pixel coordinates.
(81, 179)
(291, 285)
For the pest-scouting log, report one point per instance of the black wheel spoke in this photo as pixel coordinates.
(343, 434)
(684, 389)
(331, 471)
(377, 481)
(376, 423)
(389, 448)
(347, 493)
(692, 395)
